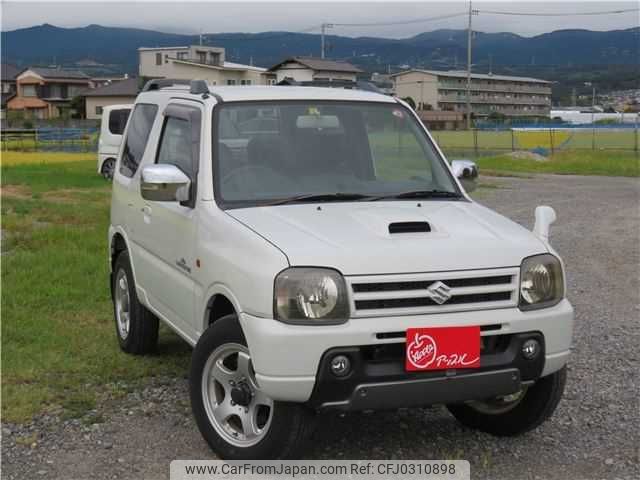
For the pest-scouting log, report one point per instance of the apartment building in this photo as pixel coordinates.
(199, 62)
(46, 92)
(447, 90)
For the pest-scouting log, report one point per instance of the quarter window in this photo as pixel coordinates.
(137, 135)
(117, 120)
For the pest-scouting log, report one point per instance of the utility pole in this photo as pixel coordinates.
(323, 31)
(469, 35)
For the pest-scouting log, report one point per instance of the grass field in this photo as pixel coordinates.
(611, 163)
(527, 140)
(59, 349)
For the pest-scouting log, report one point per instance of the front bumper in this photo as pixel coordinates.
(286, 357)
(378, 379)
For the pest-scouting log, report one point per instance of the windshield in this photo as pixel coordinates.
(286, 152)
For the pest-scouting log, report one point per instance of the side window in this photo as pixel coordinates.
(118, 120)
(176, 145)
(180, 139)
(137, 135)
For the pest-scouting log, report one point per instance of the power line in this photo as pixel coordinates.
(400, 22)
(573, 14)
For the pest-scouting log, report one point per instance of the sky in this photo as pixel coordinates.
(260, 16)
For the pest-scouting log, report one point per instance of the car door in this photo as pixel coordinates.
(167, 230)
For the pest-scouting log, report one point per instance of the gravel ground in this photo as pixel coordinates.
(594, 434)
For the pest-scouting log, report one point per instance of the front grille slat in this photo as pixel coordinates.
(409, 294)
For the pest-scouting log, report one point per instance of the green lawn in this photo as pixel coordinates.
(59, 349)
(576, 162)
(526, 140)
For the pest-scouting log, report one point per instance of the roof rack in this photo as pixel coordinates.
(347, 84)
(196, 87)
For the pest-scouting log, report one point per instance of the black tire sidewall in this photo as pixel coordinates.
(538, 404)
(104, 171)
(143, 326)
(290, 423)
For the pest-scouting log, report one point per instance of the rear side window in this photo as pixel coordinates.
(118, 120)
(141, 122)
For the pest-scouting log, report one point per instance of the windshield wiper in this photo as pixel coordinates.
(319, 197)
(419, 194)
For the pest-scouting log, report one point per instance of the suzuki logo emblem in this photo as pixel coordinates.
(439, 292)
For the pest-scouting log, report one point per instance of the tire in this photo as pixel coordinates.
(283, 428)
(108, 168)
(536, 405)
(136, 327)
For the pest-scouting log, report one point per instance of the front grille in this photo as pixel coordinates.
(410, 294)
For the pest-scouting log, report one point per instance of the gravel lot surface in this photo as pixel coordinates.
(594, 434)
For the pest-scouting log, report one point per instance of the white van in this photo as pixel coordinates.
(114, 119)
(320, 254)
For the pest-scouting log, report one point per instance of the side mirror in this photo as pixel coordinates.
(164, 183)
(467, 172)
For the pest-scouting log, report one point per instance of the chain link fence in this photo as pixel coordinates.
(543, 140)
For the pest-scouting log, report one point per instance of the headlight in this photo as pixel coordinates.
(541, 282)
(310, 296)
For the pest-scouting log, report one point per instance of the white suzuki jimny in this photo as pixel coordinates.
(319, 253)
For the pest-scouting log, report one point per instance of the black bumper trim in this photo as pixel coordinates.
(430, 391)
(378, 379)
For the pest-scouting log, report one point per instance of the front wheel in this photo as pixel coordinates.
(136, 327)
(514, 414)
(237, 419)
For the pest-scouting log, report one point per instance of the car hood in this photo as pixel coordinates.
(354, 237)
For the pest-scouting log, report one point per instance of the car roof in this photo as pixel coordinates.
(266, 93)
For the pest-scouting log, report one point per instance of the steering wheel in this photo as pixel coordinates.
(259, 170)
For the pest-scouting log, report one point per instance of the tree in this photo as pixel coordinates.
(78, 107)
(410, 101)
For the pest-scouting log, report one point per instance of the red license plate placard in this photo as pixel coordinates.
(442, 348)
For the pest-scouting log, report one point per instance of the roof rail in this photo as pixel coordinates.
(346, 84)
(196, 87)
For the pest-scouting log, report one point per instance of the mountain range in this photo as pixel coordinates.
(115, 48)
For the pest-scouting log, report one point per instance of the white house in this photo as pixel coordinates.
(307, 69)
(199, 62)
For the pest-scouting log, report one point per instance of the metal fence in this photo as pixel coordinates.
(546, 141)
(50, 139)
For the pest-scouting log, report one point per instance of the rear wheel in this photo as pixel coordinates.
(136, 327)
(514, 414)
(108, 168)
(236, 418)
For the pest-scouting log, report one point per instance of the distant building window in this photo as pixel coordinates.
(182, 55)
(245, 82)
(98, 110)
(29, 91)
(232, 82)
(158, 59)
(202, 57)
(214, 58)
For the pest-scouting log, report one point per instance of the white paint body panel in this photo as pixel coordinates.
(242, 250)
(108, 143)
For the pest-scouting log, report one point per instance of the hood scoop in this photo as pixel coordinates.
(409, 227)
